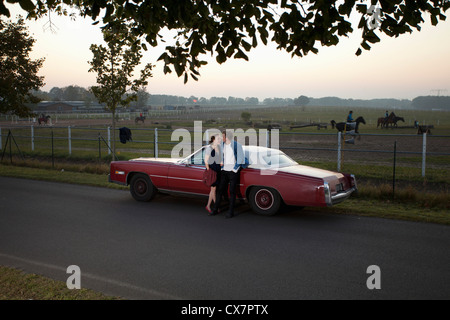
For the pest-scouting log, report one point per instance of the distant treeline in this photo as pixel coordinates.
(423, 102)
(76, 93)
(431, 102)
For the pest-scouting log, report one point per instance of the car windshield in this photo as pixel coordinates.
(260, 159)
(197, 158)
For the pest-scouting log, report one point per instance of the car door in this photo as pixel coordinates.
(186, 176)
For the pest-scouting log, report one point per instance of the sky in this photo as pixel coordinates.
(411, 65)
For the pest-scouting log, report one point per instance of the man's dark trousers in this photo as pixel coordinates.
(227, 177)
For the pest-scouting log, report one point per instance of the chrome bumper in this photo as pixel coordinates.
(341, 196)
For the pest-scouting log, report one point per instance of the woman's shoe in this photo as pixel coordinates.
(207, 209)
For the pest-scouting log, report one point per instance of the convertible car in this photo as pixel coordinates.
(270, 180)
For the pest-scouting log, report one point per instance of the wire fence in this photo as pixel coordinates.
(422, 151)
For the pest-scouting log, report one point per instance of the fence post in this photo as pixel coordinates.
(99, 148)
(70, 139)
(156, 143)
(339, 152)
(393, 173)
(424, 153)
(53, 153)
(32, 138)
(109, 141)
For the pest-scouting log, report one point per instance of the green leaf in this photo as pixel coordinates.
(4, 11)
(167, 70)
(434, 20)
(241, 55)
(194, 77)
(365, 45)
(362, 8)
(247, 46)
(27, 5)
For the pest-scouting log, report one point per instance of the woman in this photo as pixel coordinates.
(212, 162)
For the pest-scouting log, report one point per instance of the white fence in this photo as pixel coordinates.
(329, 146)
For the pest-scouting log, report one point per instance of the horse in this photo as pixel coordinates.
(142, 118)
(423, 129)
(393, 121)
(348, 126)
(43, 119)
(382, 121)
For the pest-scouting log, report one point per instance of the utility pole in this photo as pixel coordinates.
(438, 91)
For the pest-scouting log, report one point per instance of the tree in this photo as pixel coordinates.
(141, 99)
(231, 28)
(246, 116)
(18, 73)
(114, 65)
(301, 101)
(56, 94)
(252, 101)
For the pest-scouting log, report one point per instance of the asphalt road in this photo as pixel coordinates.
(170, 249)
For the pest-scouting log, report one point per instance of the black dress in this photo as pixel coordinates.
(216, 167)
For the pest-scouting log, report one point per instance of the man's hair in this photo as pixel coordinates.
(228, 134)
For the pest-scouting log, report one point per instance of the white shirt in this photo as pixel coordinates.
(228, 158)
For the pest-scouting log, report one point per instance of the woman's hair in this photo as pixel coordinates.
(211, 140)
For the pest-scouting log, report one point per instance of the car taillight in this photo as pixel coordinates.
(327, 191)
(353, 180)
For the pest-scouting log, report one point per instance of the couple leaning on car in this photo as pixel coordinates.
(226, 158)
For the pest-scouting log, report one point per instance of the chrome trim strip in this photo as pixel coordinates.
(178, 178)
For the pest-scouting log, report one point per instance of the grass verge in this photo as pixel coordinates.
(17, 285)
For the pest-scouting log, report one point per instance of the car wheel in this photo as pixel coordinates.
(141, 188)
(265, 201)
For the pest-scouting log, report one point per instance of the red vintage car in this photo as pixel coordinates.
(271, 179)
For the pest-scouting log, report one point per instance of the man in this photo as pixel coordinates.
(232, 160)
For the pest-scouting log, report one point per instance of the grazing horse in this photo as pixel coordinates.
(141, 118)
(43, 119)
(341, 126)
